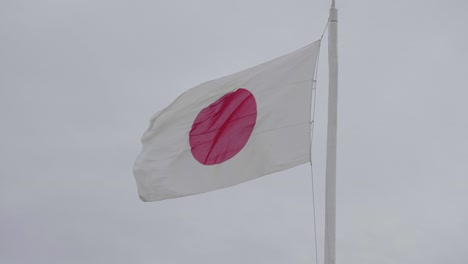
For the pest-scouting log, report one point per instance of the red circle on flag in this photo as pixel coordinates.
(223, 128)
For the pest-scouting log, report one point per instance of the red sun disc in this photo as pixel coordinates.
(222, 129)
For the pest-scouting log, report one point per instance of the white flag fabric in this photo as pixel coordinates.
(230, 130)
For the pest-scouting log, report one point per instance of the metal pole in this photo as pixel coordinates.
(330, 185)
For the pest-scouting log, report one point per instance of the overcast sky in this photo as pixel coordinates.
(79, 80)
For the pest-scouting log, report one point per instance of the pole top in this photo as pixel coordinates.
(333, 4)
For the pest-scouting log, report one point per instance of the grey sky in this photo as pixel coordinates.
(79, 81)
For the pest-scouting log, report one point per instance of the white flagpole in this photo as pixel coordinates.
(330, 185)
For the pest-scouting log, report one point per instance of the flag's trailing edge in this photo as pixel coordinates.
(230, 130)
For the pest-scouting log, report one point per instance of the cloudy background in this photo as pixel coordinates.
(79, 80)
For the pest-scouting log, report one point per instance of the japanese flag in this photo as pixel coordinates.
(230, 130)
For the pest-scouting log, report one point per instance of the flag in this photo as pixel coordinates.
(230, 130)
